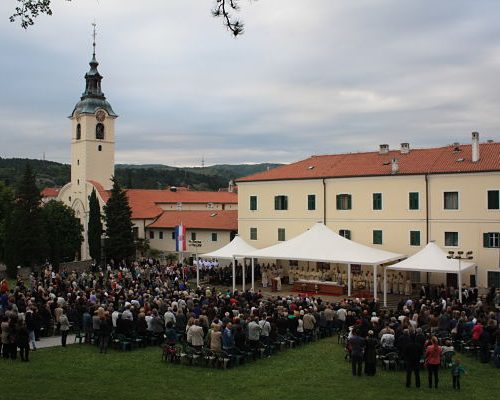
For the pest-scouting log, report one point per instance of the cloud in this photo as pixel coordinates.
(322, 77)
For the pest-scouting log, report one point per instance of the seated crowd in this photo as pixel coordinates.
(151, 303)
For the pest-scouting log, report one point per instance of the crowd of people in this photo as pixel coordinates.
(155, 303)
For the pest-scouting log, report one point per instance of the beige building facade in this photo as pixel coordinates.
(395, 200)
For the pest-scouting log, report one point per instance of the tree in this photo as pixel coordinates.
(28, 10)
(24, 227)
(94, 231)
(63, 232)
(119, 243)
(6, 203)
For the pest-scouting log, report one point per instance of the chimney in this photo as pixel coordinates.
(383, 149)
(475, 146)
(405, 148)
(394, 166)
(230, 187)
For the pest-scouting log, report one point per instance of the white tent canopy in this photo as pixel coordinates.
(321, 244)
(431, 259)
(230, 250)
(236, 246)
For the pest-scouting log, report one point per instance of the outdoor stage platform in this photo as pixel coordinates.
(324, 287)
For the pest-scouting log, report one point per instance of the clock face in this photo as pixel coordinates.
(100, 115)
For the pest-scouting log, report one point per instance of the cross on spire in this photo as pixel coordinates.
(93, 36)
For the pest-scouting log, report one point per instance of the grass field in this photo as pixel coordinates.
(316, 371)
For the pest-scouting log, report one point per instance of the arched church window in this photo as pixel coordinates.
(78, 132)
(99, 131)
(99, 148)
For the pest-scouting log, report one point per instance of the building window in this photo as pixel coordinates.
(193, 235)
(451, 239)
(413, 200)
(99, 131)
(78, 181)
(491, 239)
(78, 132)
(493, 279)
(214, 237)
(450, 200)
(160, 234)
(99, 148)
(253, 233)
(281, 202)
(173, 235)
(377, 201)
(414, 238)
(151, 234)
(493, 200)
(311, 202)
(179, 206)
(135, 232)
(281, 234)
(253, 203)
(377, 237)
(345, 233)
(344, 202)
(210, 206)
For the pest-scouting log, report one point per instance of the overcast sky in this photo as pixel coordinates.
(307, 77)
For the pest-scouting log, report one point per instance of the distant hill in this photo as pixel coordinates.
(152, 176)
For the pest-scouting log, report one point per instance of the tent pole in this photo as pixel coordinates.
(253, 274)
(385, 287)
(349, 280)
(243, 271)
(375, 281)
(234, 274)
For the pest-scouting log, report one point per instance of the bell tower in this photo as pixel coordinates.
(93, 133)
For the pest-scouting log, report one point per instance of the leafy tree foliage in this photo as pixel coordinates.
(94, 231)
(63, 232)
(6, 203)
(28, 10)
(24, 228)
(119, 243)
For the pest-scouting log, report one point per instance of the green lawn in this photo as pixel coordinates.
(316, 371)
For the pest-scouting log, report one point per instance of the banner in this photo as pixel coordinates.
(180, 238)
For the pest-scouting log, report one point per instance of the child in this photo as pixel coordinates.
(457, 369)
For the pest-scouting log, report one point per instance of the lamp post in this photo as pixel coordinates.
(460, 256)
(196, 244)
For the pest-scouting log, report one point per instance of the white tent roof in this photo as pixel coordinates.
(431, 259)
(236, 246)
(322, 244)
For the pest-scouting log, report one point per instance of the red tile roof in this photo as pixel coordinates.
(144, 202)
(215, 220)
(419, 161)
(50, 192)
(105, 194)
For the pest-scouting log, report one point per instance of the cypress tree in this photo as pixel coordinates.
(24, 227)
(94, 230)
(117, 214)
(6, 203)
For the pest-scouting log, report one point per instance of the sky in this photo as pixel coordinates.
(306, 78)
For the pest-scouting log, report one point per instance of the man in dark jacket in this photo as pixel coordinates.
(412, 353)
(357, 344)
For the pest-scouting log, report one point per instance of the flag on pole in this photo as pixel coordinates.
(180, 238)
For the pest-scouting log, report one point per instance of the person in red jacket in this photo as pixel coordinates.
(433, 360)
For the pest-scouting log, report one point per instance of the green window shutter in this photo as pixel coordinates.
(285, 202)
(349, 202)
(493, 199)
(486, 240)
(339, 202)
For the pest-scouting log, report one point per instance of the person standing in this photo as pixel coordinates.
(433, 360)
(457, 369)
(357, 344)
(370, 354)
(412, 353)
(23, 341)
(64, 327)
(106, 326)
